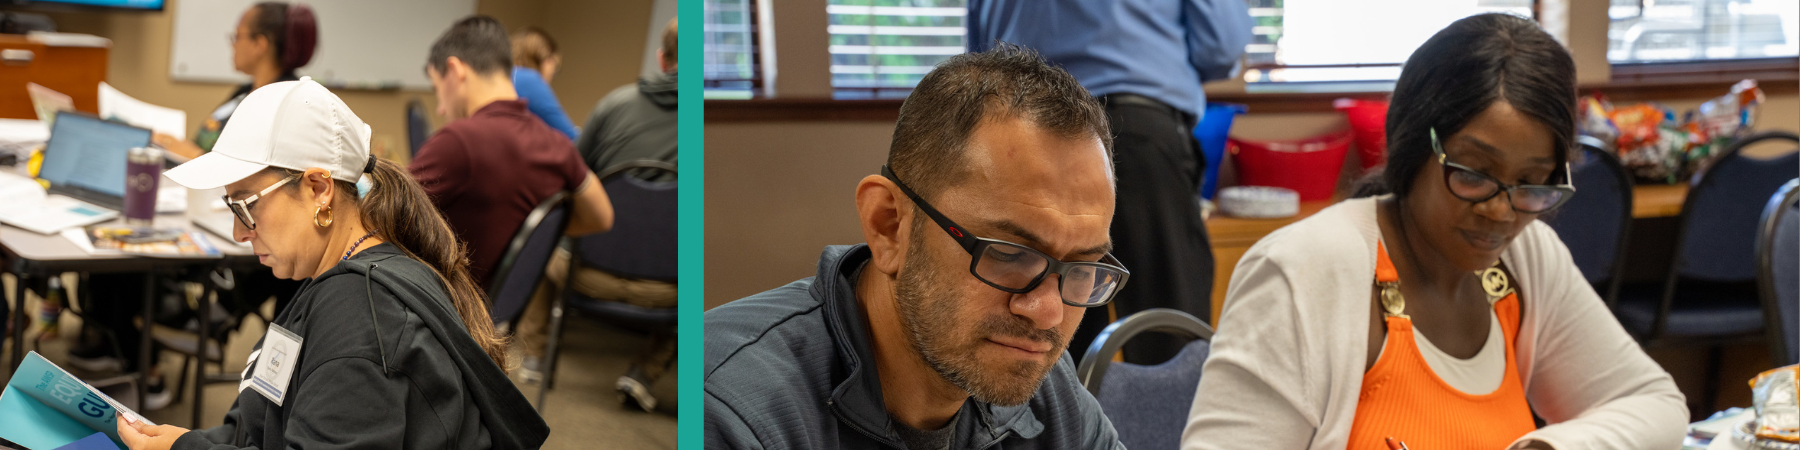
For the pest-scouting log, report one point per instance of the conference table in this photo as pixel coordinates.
(30, 255)
(1232, 236)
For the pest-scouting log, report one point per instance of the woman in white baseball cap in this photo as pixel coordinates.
(388, 343)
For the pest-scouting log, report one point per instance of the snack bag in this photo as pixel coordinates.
(1637, 125)
(1593, 116)
(1728, 115)
(1777, 407)
(1649, 144)
(1717, 123)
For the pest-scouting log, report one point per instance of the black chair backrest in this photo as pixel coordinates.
(1719, 217)
(1148, 405)
(1779, 273)
(642, 242)
(522, 266)
(1594, 223)
(418, 125)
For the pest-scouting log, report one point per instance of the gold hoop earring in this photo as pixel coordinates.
(327, 211)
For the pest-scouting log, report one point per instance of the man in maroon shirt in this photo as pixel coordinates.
(495, 161)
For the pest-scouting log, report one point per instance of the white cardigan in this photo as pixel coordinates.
(1287, 362)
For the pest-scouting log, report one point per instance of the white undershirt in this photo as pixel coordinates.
(1478, 375)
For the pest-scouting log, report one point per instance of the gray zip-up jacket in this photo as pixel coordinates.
(633, 122)
(792, 368)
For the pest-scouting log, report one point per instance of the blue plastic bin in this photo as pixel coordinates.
(1214, 128)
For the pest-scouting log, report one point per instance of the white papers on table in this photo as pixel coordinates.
(22, 130)
(1715, 433)
(170, 197)
(78, 236)
(1726, 442)
(118, 106)
(17, 189)
(54, 39)
(19, 137)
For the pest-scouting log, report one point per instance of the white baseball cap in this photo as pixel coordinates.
(294, 125)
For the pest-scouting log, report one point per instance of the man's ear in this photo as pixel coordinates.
(886, 222)
(455, 69)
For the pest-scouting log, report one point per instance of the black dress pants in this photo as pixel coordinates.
(1157, 231)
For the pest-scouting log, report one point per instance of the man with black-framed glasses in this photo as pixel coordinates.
(987, 242)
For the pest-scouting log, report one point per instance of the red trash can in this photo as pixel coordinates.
(1368, 122)
(1308, 166)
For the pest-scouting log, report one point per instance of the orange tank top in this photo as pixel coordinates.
(1403, 399)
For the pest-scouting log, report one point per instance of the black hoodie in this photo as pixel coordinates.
(633, 122)
(385, 362)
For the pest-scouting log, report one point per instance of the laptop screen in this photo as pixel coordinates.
(88, 154)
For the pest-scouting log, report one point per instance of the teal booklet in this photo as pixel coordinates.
(46, 408)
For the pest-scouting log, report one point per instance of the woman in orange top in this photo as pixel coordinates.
(1440, 313)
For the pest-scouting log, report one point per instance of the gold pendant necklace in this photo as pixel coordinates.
(1495, 283)
(1392, 302)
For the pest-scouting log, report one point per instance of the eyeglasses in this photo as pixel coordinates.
(1019, 269)
(241, 208)
(1475, 187)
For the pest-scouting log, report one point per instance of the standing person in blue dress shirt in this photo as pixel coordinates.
(534, 63)
(1145, 61)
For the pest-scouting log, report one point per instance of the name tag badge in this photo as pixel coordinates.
(275, 367)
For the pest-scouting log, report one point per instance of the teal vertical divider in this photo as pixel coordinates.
(693, 228)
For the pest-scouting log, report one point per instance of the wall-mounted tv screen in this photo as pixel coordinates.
(147, 5)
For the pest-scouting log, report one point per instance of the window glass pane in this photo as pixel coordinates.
(1687, 30)
(1354, 40)
(881, 48)
(731, 69)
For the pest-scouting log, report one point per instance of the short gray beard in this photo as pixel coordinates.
(926, 303)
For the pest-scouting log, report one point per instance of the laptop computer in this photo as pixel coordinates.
(84, 161)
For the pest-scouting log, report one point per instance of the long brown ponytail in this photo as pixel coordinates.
(399, 211)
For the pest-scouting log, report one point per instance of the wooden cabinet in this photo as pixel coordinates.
(73, 71)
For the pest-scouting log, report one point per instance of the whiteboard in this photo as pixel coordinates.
(363, 44)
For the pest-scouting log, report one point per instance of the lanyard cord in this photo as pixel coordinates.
(371, 296)
(370, 293)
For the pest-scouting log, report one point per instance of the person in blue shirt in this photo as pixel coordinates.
(1145, 60)
(534, 63)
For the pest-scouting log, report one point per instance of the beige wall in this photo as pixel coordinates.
(602, 44)
(776, 195)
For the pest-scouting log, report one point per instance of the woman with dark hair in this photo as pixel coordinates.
(388, 343)
(272, 40)
(1439, 314)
